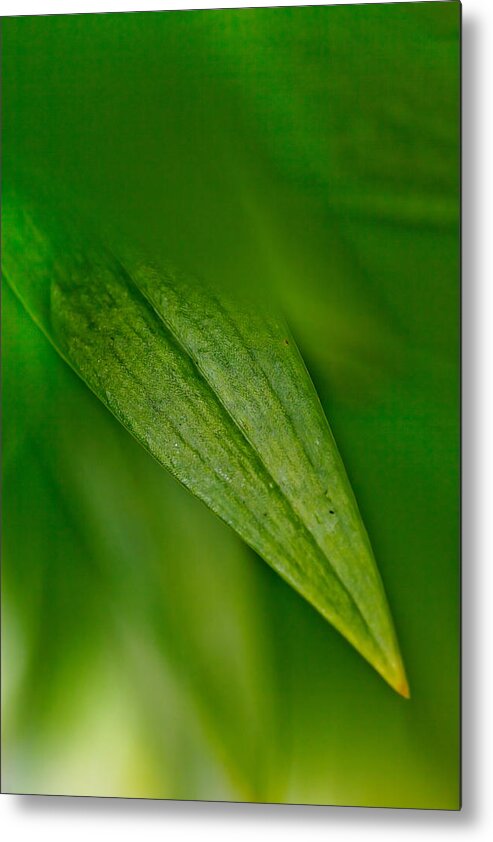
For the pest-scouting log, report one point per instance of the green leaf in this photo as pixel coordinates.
(218, 393)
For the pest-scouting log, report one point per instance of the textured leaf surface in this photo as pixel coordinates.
(219, 395)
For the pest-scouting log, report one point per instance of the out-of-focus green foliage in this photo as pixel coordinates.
(147, 651)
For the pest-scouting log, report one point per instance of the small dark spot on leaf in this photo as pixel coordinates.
(331, 511)
(286, 341)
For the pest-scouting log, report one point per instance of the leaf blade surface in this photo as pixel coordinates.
(219, 395)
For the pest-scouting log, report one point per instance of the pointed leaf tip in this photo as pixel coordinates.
(403, 688)
(397, 680)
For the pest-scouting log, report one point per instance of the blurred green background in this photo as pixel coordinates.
(146, 650)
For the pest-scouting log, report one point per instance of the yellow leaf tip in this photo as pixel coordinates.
(403, 689)
(400, 683)
(397, 679)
